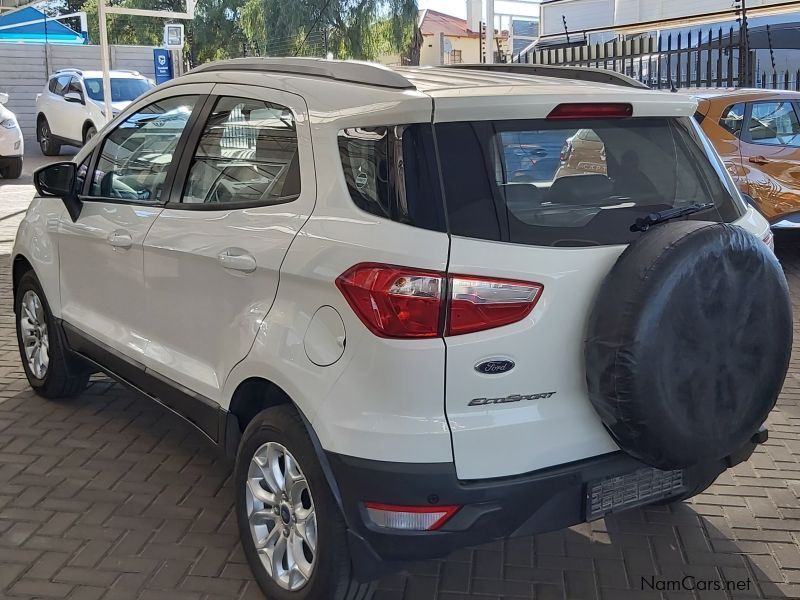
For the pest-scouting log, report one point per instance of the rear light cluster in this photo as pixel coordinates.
(410, 518)
(399, 302)
(769, 239)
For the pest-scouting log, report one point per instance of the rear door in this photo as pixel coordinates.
(244, 188)
(771, 154)
(516, 394)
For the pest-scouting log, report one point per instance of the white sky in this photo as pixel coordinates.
(458, 8)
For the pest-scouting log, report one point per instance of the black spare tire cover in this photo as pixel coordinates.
(688, 342)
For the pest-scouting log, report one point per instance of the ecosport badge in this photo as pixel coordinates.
(511, 398)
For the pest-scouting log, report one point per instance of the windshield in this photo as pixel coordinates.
(575, 183)
(122, 89)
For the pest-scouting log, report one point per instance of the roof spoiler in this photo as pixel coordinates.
(561, 72)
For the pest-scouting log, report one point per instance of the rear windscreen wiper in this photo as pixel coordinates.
(644, 223)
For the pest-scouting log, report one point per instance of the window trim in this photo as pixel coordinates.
(169, 182)
(747, 138)
(175, 198)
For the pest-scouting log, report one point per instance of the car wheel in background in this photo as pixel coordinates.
(44, 136)
(89, 133)
(13, 168)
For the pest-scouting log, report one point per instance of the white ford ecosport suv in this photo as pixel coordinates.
(71, 109)
(411, 333)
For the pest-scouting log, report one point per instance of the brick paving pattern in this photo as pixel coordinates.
(109, 496)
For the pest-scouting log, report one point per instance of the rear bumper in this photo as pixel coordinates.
(544, 500)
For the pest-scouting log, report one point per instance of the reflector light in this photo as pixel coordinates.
(590, 110)
(409, 518)
(769, 240)
(400, 302)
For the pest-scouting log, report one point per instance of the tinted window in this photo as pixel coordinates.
(391, 172)
(246, 155)
(574, 183)
(122, 89)
(733, 118)
(774, 123)
(137, 154)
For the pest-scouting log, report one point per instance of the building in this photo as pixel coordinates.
(447, 39)
(31, 26)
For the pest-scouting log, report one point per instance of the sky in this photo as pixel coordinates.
(458, 8)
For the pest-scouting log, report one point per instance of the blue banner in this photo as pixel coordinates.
(163, 65)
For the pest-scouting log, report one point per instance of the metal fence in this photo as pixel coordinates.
(709, 58)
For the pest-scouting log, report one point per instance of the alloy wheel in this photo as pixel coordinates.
(35, 339)
(281, 514)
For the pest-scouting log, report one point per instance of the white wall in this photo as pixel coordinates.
(607, 14)
(25, 68)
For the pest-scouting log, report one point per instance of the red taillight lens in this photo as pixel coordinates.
(393, 301)
(477, 303)
(398, 302)
(409, 518)
(589, 110)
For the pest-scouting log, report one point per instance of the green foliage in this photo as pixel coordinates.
(362, 29)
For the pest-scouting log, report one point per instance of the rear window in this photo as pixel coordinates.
(576, 183)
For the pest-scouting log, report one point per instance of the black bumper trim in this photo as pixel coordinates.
(544, 500)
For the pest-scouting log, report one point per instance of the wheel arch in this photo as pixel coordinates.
(21, 265)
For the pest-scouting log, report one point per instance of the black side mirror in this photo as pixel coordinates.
(74, 97)
(60, 180)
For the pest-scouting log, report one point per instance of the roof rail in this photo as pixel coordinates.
(562, 72)
(69, 70)
(339, 70)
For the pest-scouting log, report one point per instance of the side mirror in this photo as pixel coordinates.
(3, 98)
(74, 97)
(60, 180)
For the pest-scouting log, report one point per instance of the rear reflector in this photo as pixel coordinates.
(769, 240)
(589, 110)
(399, 302)
(410, 518)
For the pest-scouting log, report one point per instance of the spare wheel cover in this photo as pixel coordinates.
(688, 342)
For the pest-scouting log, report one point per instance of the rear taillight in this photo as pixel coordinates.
(769, 239)
(591, 110)
(410, 518)
(397, 302)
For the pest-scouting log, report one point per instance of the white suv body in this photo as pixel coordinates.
(12, 145)
(71, 110)
(218, 263)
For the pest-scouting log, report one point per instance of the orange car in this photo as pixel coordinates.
(757, 134)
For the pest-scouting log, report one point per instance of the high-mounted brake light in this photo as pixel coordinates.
(591, 110)
(410, 518)
(398, 302)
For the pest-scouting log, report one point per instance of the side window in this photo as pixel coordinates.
(136, 156)
(733, 118)
(774, 123)
(83, 168)
(74, 87)
(391, 172)
(247, 154)
(59, 84)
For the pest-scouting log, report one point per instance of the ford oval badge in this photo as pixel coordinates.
(494, 366)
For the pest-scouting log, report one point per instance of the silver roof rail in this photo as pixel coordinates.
(339, 70)
(562, 72)
(69, 70)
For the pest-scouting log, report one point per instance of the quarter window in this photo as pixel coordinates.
(247, 155)
(733, 118)
(774, 123)
(136, 156)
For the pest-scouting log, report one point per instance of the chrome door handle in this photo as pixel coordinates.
(237, 260)
(758, 160)
(120, 239)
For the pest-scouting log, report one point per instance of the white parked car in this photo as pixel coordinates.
(332, 271)
(12, 146)
(71, 110)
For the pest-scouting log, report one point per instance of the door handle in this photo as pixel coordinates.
(758, 160)
(120, 239)
(237, 260)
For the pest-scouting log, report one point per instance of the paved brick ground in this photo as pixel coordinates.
(109, 496)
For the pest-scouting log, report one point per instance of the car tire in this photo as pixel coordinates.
(52, 372)
(44, 136)
(13, 169)
(90, 132)
(312, 560)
